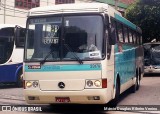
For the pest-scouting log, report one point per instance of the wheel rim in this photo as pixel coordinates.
(137, 83)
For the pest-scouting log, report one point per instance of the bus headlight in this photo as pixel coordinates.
(32, 84)
(89, 83)
(35, 84)
(28, 84)
(97, 83)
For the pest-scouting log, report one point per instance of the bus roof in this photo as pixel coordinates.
(151, 43)
(71, 8)
(8, 25)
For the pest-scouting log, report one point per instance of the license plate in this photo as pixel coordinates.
(62, 99)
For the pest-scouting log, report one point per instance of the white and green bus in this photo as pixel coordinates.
(80, 53)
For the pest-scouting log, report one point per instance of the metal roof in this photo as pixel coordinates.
(7, 25)
(69, 8)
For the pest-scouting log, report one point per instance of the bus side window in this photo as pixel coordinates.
(112, 37)
(3, 52)
(125, 31)
(140, 39)
(6, 48)
(120, 32)
(112, 32)
(137, 39)
(130, 36)
(6, 44)
(134, 37)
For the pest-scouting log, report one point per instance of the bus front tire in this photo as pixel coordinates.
(138, 82)
(136, 85)
(114, 102)
(19, 80)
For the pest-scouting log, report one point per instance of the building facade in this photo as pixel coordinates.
(127, 1)
(15, 11)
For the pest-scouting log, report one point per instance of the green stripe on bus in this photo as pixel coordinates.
(52, 68)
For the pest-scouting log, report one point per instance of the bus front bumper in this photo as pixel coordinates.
(151, 70)
(86, 96)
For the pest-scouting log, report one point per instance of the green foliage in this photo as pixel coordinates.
(146, 14)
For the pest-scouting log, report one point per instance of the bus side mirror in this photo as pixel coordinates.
(112, 38)
(20, 36)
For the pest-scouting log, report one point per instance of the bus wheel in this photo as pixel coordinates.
(20, 79)
(138, 83)
(134, 87)
(114, 102)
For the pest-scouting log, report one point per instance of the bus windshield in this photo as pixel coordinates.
(6, 43)
(152, 54)
(64, 38)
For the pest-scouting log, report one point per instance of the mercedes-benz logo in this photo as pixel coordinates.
(61, 85)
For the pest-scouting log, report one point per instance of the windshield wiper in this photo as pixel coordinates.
(74, 54)
(44, 60)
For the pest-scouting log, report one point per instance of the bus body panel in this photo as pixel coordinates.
(8, 72)
(76, 97)
(19, 71)
(125, 62)
(75, 83)
(17, 55)
(74, 74)
(108, 69)
(125, 65)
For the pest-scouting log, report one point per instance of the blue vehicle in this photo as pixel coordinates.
(11, 53)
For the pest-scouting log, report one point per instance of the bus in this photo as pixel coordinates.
(84, 53)
(11, 54)
(151, 57)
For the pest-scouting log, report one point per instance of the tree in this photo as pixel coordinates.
(146, 14)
